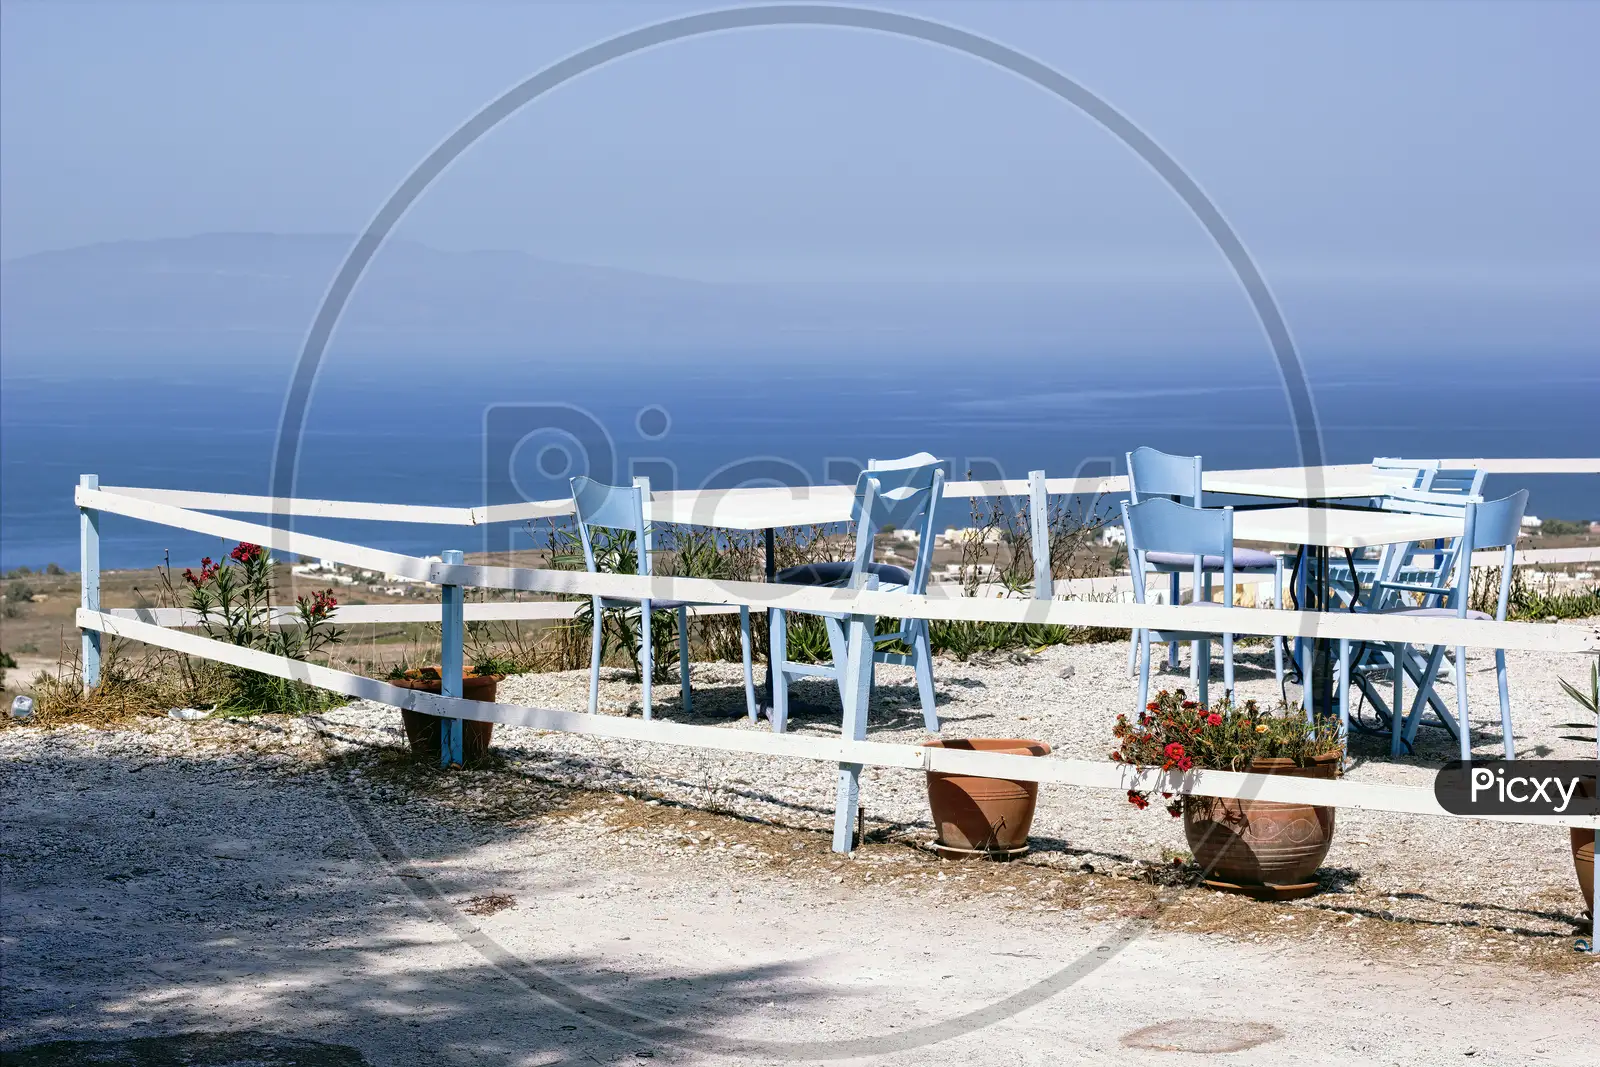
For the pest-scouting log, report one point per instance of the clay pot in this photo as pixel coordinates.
(1262, 848)
(1583, 852)
(422, 729)
(983, 815)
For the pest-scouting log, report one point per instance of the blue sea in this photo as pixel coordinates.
(455, 433)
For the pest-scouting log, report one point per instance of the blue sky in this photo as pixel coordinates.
(1427, 143)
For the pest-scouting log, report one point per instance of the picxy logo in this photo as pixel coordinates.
(1518, 787)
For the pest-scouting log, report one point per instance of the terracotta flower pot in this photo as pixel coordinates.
(1583, 852)
(1258, 847)
(983, 815)
(422, 729)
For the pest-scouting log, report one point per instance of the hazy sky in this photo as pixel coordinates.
(1367, 141)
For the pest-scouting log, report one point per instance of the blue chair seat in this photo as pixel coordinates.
(1244, 559)
(826, 574)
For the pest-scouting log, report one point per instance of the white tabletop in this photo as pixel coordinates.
(1339, 528)
(1301, 483)
(754, 509)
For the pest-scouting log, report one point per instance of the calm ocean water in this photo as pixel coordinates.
(427, 435)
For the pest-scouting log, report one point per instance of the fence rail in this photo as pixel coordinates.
(851, 752)
(1412, 800)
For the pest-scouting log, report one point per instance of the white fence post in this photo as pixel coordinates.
(452, 640)
(857, 695)
(89, 580)
(1039, 535)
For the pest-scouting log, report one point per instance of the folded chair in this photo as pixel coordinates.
(1492, 524)
(899, 493)
(622, 509)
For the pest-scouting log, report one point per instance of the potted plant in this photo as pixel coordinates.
(1265, 849)
(1583, 840)
(983, 816)
(479, 681)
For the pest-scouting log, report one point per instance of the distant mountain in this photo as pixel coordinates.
(255, 295)
(260, 291)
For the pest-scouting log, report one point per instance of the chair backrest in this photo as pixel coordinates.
(1152, 473)
(613, 507)
(920, 459)
(1160, 525)
(1430, 476)
(1430, 488)
(1491, 524)
(899, 493)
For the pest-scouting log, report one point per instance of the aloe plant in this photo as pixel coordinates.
(1591, 699)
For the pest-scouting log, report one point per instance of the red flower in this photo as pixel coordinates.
(1184, 763)
(1175, 809)
(1174, 751)
(1189, 705)
(245, 552)
(1137, 799)
(1214, 719)
(1152, 706)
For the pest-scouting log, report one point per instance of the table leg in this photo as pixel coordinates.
(1321, 656)
(765, 701)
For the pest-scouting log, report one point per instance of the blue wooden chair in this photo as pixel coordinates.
(1170, 528)
(1430, 489)
(623, 508)
(899, 493)
(1157, 474)
(1492, 524)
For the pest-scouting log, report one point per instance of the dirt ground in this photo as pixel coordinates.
(276, 890)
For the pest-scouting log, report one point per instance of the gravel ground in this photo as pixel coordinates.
(275, 880)
(1424, 869)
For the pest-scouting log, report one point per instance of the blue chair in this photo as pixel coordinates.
(622, 508)
(1493, 524)
(1167, 527)
(1430, 489)
(900, 493)
(1157, 474)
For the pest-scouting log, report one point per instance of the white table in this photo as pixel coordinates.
(1302, 483)
(1339, 527)
(754, 509)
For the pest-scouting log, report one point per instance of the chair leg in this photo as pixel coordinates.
(647, 659)
(683, 656)
(780, 677)
(1133, 653)
(1425, 691)
(594, 660)
(1174, 595)
(745, 646)
(1227, 667)
(1505, 700)
(922, 653)
(1397, 705)
(1344, 695)
(1144, 670)
(1463, 722)
(1277, 642)
(840, 651)
(1202, 670)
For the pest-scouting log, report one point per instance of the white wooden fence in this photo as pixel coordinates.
(851, 751)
